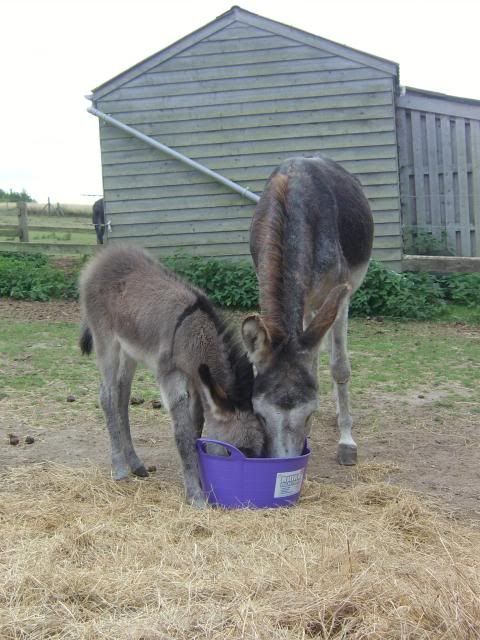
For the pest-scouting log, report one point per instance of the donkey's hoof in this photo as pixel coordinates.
(140, 471)
(121, 476)
(347, 454)
(197, 502)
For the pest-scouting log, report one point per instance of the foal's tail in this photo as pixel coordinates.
(86, 341)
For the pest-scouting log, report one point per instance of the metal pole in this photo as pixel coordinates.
(175, 154)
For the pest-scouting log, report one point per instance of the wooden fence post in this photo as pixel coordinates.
(23, 222)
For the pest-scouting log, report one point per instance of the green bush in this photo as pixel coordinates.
(397, 295)
(383, 293)
(33, 259)
(32, 277)
(461, 288)
(421, 242)
(227, 284)
(234, 285)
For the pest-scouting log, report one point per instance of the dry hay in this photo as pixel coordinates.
(371, 472)
(84, 557)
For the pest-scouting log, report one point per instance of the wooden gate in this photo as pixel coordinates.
(439, 156)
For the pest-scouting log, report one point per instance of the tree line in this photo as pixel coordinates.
(15, 196)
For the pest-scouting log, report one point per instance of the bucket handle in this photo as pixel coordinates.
(234, 453)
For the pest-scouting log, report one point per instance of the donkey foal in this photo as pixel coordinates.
(134, 310)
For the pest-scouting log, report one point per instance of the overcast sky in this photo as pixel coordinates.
(54, 52)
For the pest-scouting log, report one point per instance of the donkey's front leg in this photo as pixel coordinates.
(182, 405)
(340, 370)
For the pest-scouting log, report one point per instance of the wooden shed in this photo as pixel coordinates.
(240, 95)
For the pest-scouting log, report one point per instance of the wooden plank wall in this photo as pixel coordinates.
(241, 101)
(439, 156)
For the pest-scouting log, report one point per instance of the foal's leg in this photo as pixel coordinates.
(108, 359)
(126, 371)
(340, 370)
(196, 411)
(187, 419)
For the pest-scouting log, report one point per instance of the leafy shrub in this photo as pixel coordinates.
(32, 277)
(423, 243)
(383, 293)
(234, 285)
(461, 288)
(397, 295)
(37, 259)
(228, 284)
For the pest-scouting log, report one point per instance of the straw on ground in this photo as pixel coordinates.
(84, 557)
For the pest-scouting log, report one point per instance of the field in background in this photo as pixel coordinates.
(68, 227)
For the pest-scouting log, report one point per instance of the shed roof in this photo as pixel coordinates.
(440, 96)
(237, 14)
(441, 103)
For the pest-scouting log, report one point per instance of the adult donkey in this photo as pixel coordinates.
(311, 241)
(134, 310)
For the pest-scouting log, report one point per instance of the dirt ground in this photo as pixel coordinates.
(411, 449)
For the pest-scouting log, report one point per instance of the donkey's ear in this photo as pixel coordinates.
(325, 316)
(218, 401)
(257, 340)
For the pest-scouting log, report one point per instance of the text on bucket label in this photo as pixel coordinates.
(288, 483)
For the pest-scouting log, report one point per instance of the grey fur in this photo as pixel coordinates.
(311, 241)
(134, 310)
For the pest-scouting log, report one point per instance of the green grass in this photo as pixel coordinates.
(411, 358)
(60, 228)
(404, 356)
(63, 236)
(459, 313)
(389, 356)
(40, 357)
(54, 235)
(37, 353)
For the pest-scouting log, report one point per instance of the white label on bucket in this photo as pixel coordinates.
(288, 483)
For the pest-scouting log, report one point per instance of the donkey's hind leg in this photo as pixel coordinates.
(108, 359)
(340, 370)
(126, 371)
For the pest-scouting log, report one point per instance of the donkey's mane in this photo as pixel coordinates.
(272, 283)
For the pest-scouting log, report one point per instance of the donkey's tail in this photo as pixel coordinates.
(86, 341)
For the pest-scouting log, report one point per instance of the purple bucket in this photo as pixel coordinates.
(235, 481)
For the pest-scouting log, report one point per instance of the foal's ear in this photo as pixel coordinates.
(325, 317)
(218, 401)
(257, 340)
